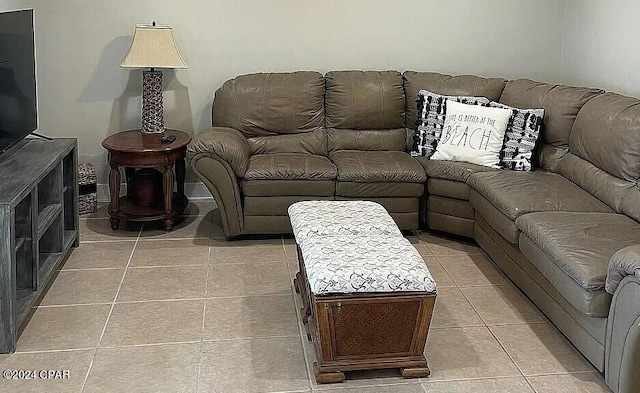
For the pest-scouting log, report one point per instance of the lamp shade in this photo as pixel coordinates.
(153, 47)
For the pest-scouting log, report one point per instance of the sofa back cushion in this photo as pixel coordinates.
(599, 183)
(305, 142)
(369, 140)
(268, 104)
(448, 85)
(607, 134)
(561, 105)
(365, 110)
(631, 203)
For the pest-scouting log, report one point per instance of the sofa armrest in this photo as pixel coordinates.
(622, 341)
(625, 262)
(227, 143)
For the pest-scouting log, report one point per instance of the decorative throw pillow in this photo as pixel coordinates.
(520, 138)
(431, 112)
(473, 134)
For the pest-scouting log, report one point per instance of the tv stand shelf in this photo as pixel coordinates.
(38, 225)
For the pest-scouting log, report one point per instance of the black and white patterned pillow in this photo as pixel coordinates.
(520, 139)
(431, 112)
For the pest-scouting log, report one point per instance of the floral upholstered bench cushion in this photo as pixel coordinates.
(340, 218)
(364, 264)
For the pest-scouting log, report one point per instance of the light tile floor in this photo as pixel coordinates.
(141, 310)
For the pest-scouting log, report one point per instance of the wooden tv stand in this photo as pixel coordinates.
(38, 225)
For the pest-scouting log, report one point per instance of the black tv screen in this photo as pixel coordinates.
(18, 108)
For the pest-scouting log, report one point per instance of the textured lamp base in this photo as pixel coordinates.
(152, 106)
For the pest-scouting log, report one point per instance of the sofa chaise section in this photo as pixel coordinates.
(559, 233)
(501, 197)
(572, 250)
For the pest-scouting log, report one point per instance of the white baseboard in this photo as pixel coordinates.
(193, 191)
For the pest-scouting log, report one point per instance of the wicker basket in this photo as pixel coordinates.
(87, 182)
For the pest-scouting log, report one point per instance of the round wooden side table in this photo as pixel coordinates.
(133, 150)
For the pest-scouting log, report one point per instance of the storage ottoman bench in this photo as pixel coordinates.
(368, 297)
(310, 219)
(340, 218)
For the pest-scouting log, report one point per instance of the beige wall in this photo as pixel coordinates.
(84, 93)
(11, 5)
(601, 46)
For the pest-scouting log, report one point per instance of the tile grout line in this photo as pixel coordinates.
(530, 385)
(174, 343)
(423, 386)
(300, 328)
(462, 379)
(563, 373)
(487, 326)
(152, 344)
(144, 240)
(106, 323)
(52, 350)
(301, 333)
(328, 388)
(457, 252)
(164, 300)
(292, 391)
(460, 288)
(485, 322)
(518, 323)
(508, 354)
(204, 313)
(456, 285)
(246, 338)
(491, 332)
(74, 305)
(166, 266)
(89, 269)
(509, 285)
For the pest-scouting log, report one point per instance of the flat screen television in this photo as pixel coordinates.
(18, 106)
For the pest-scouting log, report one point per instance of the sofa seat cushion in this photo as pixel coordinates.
(501, 197)
(290, 166)
(578, 246)
(517, 193)
(451, 170)
(377, 167)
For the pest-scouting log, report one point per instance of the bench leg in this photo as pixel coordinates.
(327, 377)
(416, 372)
(305, 321)
(296, 284)
(299, 283)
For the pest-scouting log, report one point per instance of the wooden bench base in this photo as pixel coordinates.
(366, 331)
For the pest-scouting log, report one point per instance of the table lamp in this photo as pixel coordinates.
(152, 47)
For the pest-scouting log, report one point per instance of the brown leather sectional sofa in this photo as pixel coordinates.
(567, 233)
